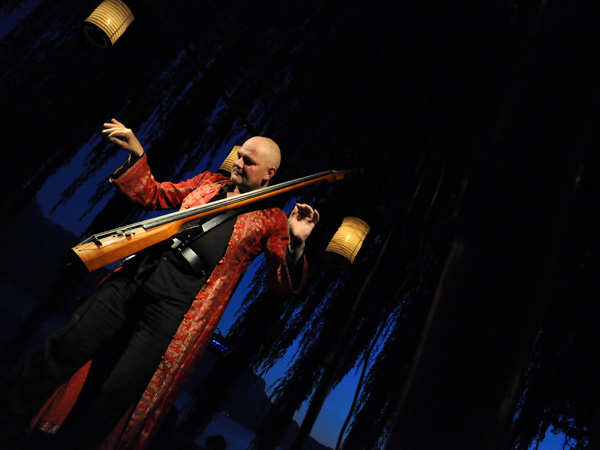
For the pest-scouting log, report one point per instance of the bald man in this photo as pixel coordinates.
(167, 300)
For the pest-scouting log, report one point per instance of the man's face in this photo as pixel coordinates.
(252, 169)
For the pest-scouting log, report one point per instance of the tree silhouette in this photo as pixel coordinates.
(430, 99)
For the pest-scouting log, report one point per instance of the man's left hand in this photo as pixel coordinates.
(301, 222)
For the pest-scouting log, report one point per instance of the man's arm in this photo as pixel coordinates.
(301, 222)
(285, 260)
(135, 179)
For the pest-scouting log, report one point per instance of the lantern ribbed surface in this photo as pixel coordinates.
(112, 17)
(227, 165)
(349, 237)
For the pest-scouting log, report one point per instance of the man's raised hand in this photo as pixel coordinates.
(119, 134)
(301, 222)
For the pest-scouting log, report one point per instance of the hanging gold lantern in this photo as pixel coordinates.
(227, 166)
(108, 22)
(349, 238)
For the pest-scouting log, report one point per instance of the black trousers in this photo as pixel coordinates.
(120, 310)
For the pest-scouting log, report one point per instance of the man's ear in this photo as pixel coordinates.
(270, 173)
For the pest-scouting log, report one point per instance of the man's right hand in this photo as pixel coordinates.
(123, 137)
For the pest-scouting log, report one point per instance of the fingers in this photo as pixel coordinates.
(114, 126)
(119, 134)
(302, 210)
(122, 134)
(119, 137)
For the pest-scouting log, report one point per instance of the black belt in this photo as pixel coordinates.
(190, 256)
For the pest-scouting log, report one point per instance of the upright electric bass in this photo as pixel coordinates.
(104, 248)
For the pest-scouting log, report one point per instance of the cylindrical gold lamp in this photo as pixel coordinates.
(108, 22)
(227, 165)
(349, 238)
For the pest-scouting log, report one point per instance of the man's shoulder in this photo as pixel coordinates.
(214, 176)
(208, 178)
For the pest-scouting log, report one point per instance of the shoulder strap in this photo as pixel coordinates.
(217, 220)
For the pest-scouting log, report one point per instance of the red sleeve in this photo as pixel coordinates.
(280, 276)
(137, 182)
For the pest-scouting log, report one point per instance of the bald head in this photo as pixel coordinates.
(267, 148)
(258, 161)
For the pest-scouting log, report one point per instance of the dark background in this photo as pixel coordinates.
(476, 126)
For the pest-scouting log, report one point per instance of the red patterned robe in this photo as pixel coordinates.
(254, 232)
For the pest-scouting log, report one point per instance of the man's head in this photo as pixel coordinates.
(258, 161)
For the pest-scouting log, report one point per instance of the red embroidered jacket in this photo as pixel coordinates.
(254, 232)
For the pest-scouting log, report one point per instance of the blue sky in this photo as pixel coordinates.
(552, 442)
(336, 406)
